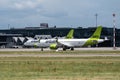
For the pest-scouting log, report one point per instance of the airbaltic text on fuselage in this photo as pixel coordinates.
(45, 41)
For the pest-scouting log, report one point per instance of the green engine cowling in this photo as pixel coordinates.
(35, 46)
(54, 46)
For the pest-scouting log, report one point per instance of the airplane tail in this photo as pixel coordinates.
(70, 34)
(97, 33)
(93, 39)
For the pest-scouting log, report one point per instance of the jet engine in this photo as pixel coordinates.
(54, 46)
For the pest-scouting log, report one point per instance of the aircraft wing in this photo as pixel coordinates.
(65, 44)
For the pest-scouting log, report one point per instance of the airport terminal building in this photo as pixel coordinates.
(17, 36)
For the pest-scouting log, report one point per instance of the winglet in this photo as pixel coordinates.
(97, 33)
(70, 34)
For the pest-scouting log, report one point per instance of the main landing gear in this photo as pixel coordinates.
(72, 49)
(64, 48)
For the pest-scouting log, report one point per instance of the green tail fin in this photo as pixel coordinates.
(97, 33)
(70, 34)
(93, 39)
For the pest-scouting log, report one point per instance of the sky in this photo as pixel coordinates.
(60, 13)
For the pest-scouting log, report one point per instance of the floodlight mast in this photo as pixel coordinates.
(96, 15)
(114, 41)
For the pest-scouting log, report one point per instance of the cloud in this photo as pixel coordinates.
(59, 12)
(25, 5)
(19, 4)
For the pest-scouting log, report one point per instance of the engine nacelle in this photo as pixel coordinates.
(35, 46)
(54, 46)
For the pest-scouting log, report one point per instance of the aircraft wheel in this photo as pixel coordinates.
(64, 49)
(41, 49)
(72, 49)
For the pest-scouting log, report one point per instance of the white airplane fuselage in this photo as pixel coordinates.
(77, 42)
(43, 43)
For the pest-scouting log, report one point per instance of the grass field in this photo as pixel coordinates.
(81, 68)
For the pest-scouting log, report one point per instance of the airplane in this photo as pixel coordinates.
(45, 43)
(73, 43)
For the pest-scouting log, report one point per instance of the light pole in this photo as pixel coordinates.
(96, 15)
(96, 25)
(114, 47)
(8, 26)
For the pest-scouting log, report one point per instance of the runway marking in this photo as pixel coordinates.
(60, 49)
(59, 55)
